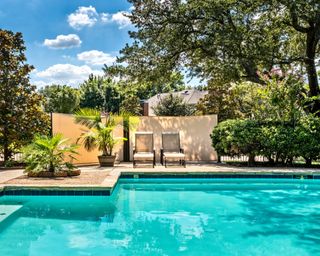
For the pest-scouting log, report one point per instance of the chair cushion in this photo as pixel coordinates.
(174, 155)
(143, 156)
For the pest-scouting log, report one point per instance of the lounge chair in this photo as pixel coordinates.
(171, 150)
(143, 151)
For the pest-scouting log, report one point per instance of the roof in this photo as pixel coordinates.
(189, 96)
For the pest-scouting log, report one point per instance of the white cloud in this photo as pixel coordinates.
(63, 41)
(121, 19)
(118, 18)
(96, 58)
(83, 17)
(64, 74)
(88, 16)
(105, 17)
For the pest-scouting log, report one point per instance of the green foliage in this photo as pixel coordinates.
(60, 99)
(21, 115)
(218, 101)
(100, 130)
(48, 154)
(142, 85)
(278, 141)
(118, 92)
(236, 138)
(308, 137)
(10, 163)
(131, 104)
(93, 93)
(226, 41)
(112, 98)
(173, 105)
(279, 99)
(104, 95)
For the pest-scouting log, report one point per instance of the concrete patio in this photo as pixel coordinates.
(94, 177)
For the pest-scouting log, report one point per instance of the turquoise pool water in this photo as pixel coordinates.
(188, 217)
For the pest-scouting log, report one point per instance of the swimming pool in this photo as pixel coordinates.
(168, 217)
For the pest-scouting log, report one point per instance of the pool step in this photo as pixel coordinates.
(7, 210)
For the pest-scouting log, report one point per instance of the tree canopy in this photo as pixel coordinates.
(227, 40)
(60, 98)
(145, 86)
(93, 93)
(105, 95)
(21, 115)
(279, 98)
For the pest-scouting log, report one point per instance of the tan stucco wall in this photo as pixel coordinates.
(64, 124)
(194, 134)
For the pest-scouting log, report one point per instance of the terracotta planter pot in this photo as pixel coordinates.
(107, 161)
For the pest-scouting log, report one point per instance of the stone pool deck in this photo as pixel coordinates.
(105, 179)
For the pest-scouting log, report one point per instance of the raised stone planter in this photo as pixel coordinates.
(76, 172)
(47, 174)
(44, 174)
(60, 174)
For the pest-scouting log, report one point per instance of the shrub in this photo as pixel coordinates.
(308, 138)
(237, 137)
(48, 154)
(173, 105)
(279, 142)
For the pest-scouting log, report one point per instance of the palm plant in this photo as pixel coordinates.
(49, 153)
(100, 130)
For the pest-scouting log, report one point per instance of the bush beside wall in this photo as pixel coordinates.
(279, 142)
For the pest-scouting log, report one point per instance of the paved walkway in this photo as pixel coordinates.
(106, 178)
(6, 175)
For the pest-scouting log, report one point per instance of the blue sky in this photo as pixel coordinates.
(67, 40)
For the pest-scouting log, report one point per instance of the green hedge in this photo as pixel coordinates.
(279, 142)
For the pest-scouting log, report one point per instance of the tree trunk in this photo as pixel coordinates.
(51, 167)
(314, 91)
(7, 154)
(289, 161)
(308, 162)
(251, 160)
(251, 72)
(270, 159)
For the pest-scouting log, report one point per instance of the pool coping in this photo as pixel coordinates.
(211, 175)
(109, 184)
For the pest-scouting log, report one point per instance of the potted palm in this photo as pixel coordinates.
(100, 133)
(50, 157)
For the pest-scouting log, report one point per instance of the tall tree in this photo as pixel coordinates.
(228, 40)
(21, 115)
(280, 99)
(92, 93)
(145, 86)
(60, 98)
(130, 103)
(100, 93)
